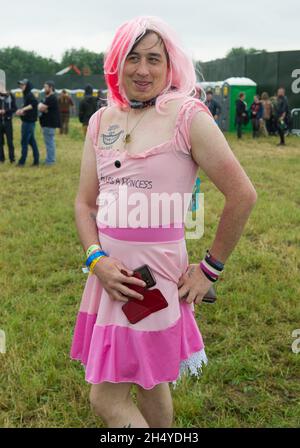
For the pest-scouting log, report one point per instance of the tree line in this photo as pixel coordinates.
(15, 60)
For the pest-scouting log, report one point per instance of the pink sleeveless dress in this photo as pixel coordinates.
(168, 343)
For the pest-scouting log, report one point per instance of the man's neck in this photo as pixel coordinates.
(138, 112)
(142, 104)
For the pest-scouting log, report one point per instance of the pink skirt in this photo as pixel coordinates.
(159, 348)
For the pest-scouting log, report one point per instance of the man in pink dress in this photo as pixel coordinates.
(150, 140)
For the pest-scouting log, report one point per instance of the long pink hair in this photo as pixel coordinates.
(181, 73)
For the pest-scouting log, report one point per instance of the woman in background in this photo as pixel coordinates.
(65, 103)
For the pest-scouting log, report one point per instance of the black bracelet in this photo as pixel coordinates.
(213, 262)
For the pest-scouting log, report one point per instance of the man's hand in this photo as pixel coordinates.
(20, 112)
(193, 284)
(2, 111)
(42, 107)
(108, 270)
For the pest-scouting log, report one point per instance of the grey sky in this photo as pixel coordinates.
(208, 29)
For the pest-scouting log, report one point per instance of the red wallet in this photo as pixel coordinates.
(135, 309)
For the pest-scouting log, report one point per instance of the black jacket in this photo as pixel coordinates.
(214, 107)
(29, 98)
(282, 106)
(8, 103)
(241, 115)
(87, 107)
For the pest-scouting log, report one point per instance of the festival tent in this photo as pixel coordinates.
(68, 69)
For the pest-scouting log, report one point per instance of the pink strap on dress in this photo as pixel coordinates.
(94, 124)
(183, 124)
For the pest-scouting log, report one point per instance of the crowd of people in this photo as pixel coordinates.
(53, 112)
(268, 116)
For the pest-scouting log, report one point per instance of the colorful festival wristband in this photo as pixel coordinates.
(213, 261)
(211, 267)
(95, 255)
(94, 262)
(92, 249)
(207, 273)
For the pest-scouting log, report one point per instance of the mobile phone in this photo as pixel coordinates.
(146, 275)
(153, 301)
(210, 296)
(136, 310)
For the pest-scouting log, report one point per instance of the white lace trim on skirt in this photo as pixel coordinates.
(192, 365)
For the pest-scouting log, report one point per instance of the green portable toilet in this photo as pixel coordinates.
(230, 93)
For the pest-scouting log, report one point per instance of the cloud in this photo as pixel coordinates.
(207, 29)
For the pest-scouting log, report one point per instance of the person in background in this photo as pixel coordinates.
(65, 103)
(256, 113)
(198, 92)
(101, 100)
(87, 107)
(273, 125)
(7, 109)
(281, 114)
(267, 114)
(241, 116)
(49, 120)
(213, 105)
(29, 116)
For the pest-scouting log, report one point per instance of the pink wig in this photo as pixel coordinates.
(181, 72)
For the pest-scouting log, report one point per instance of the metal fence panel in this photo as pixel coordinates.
(263, 68)
(295, 126)
(288, 62)
(268, 70)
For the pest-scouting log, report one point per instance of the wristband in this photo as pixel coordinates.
(93, 256)
(91, 249)
(211, 267)
(207, 273)
(212, 261)
(94, 262)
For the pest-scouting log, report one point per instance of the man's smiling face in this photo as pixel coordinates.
(145, 69)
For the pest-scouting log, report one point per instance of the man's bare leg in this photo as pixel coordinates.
(156, 405)
(113, 403)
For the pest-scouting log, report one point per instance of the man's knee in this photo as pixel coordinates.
(158, 402)
(107, 399)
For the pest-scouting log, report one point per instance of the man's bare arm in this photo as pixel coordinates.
(212, 153)
(86, 200)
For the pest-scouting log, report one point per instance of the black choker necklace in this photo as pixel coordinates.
(134, 104)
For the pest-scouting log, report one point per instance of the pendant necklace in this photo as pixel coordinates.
(127, 138)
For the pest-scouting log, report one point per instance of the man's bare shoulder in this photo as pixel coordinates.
(112, 112)
(174, 106)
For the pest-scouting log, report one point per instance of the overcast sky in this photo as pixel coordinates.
(208, 29)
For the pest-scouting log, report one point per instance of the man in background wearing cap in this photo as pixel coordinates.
(49, 120)
(28, 114)
(7, 109)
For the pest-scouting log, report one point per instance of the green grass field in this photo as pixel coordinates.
(252, 379)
